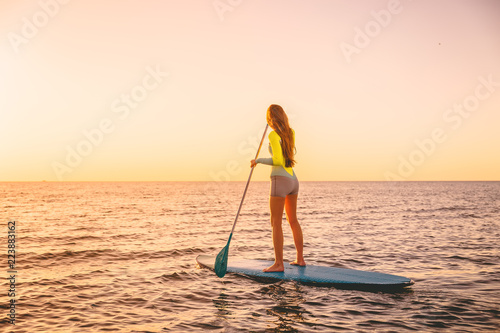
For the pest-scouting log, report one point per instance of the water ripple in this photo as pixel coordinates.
(120, 256)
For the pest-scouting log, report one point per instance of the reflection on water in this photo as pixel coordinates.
(121, 256)
(287, 309)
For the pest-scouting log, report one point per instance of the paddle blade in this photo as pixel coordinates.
(220, 266)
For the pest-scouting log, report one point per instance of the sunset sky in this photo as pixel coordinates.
(178, 90)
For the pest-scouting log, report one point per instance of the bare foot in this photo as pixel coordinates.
(298, 263)
(274, 268)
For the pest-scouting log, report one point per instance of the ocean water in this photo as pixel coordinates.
(96, 257)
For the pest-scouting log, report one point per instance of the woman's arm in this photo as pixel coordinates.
(268, 160)
(274, 140)
(275, 149)
(277, 153)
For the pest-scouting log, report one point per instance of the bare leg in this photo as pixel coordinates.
(277, 204)
(291, 214)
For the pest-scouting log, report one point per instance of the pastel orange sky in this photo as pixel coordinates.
(178, 90)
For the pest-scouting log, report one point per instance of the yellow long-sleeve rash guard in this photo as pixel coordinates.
(277, 160)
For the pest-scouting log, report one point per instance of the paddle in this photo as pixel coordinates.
(220, 266)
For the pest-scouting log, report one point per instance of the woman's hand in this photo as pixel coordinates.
(253, 163)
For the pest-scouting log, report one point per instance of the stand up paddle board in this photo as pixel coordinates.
(322, 275)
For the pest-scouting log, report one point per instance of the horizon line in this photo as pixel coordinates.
(228, 181)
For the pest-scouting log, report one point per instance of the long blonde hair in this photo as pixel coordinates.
(278, 120)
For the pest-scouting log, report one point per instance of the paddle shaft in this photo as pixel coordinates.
(248, 181)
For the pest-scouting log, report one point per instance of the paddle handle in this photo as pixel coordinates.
(248, 181)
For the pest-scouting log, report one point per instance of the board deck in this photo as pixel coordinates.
(322, 275)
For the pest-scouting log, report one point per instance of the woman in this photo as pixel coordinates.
(284, 186)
